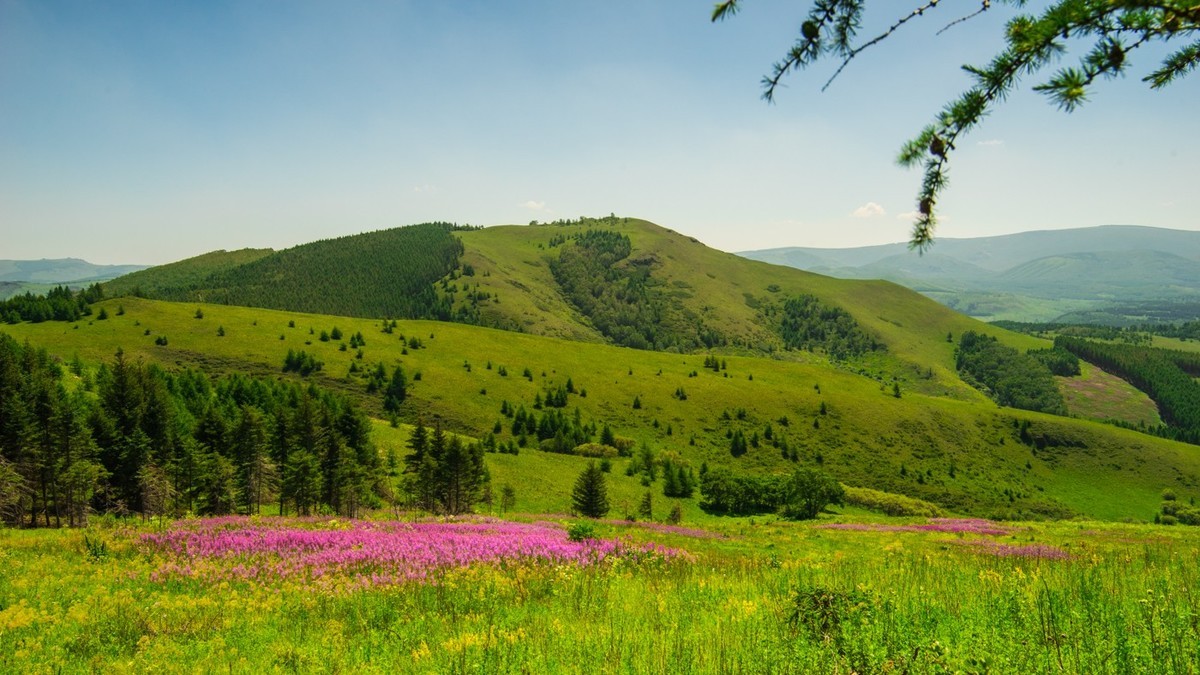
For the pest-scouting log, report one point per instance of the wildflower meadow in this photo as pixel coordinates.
(480, 594)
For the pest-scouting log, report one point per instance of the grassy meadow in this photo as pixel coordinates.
(1098, 395)
(844, 594)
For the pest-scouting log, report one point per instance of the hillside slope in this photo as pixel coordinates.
(738, 298)
(967, 455)
(644, 286)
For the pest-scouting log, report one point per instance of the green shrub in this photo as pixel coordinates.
(581, 531)
(891, 504)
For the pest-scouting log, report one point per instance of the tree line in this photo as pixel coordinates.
(132, 438)
(58, 304)
(1009, 377)
(800, 495)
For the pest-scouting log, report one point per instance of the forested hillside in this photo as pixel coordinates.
(174, 281)
(545, 399)
(1009, 377)
(624, 302)
(390, 273)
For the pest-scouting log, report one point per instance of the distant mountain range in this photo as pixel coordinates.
(61, 271)
(1113, 274)
(38, 276)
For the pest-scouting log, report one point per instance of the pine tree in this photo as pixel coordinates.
(508, 498)
(589, 498)
(676, 515)
(302, 481)
(607, 437)
(397, 390)
(646, 507)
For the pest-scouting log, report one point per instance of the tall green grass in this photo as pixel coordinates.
(772, 597)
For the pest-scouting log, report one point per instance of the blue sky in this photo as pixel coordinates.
(145, 132)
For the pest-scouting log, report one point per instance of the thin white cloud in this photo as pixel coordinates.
(534, 206)
(423, 188)
(991, 143)
(868, 210)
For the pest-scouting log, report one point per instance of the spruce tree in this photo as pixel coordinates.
(646, 508)
(397, 390)
(589, 498)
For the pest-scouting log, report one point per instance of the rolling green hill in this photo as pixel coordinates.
(737, 298)
(967, 455)
(660, 290)
(61, 271)
(858, 377)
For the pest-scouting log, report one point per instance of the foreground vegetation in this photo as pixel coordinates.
(843, 595)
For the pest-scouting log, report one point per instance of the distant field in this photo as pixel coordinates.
(1100, 396)
(1175, 343)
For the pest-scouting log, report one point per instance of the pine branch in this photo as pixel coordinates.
(987, 4)
(920, 11)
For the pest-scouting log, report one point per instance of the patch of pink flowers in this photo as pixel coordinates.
(950, 525)
(376, 553)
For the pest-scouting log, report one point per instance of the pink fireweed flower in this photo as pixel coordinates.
(370, 552)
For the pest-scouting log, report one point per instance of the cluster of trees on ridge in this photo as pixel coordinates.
(135, 438)
(621, 297)
(807, 323)
(1011, 378)
(58, 304)
(628, 305)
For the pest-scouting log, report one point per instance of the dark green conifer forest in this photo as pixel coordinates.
(134, 438)
(390, 273)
